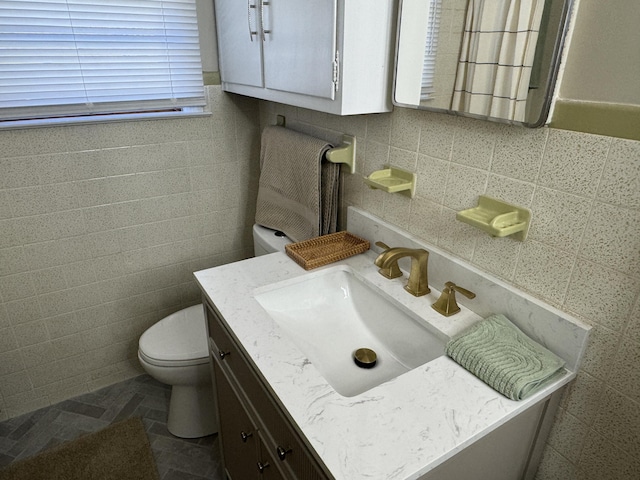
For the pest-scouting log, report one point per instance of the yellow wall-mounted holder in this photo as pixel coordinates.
(498, 218)
(345, 153)
(393, 180)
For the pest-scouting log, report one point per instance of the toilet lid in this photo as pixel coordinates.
(181, 336)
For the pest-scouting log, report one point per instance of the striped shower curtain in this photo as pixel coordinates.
(496, 57)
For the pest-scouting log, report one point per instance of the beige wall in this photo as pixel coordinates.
(603, 60)
(207, 32)
(101, 226)
(582, 254)
(600, 91)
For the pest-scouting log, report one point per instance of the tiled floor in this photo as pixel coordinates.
(177, 459)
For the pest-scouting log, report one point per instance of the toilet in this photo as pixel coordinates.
(175, 351)
(266, 240)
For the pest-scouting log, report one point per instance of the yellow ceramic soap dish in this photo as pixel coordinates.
(393, 180)
(498, 218)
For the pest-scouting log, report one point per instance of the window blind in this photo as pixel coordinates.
(430, 49)
(79, 57)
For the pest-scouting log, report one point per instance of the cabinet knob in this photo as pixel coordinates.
(223, 354)
(262, 466)
(282, 452)
(245, 435)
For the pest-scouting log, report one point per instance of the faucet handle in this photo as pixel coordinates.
(394, 270)
(383, 245)
(447, 304)
(464, 291)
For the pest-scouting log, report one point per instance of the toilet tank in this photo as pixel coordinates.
(266, 240)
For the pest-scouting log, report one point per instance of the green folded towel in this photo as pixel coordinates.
(501, 355)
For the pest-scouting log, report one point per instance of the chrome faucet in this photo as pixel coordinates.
(418, 283)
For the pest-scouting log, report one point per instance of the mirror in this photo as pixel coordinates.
(490, 59)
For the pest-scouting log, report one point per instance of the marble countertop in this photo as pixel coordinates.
(400, 429)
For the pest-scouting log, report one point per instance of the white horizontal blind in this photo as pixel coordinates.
(78, 57)
(430, 49)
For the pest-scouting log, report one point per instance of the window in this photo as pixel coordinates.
(61, 58)
(430, 47)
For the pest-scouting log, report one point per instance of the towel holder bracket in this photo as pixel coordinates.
(346, 153)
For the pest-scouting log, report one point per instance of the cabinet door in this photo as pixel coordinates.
(300, 46)
(239, 41)
(239, 434)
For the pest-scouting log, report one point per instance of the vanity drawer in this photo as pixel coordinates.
(280, 438)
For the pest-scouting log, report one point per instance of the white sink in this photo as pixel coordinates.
(331, 313)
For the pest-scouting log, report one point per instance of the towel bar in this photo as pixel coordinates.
(345, 153)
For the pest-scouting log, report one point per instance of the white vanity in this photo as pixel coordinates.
(281, 418)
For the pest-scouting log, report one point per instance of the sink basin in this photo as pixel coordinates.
(332, 313)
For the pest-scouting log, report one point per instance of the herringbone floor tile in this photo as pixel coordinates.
(177, 458)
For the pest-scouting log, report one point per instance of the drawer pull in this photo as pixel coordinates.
(262, 466)
(282, 452)
(223, 354)
(244, 436)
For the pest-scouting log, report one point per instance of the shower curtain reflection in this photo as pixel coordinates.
(497, 54)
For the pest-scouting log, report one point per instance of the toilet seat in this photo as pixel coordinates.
(171, 363)
(177, 340)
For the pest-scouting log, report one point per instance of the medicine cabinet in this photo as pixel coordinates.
(494, 60)
(333, 56)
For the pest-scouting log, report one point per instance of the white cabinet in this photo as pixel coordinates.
(333, 56)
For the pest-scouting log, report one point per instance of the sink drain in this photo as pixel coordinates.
(365, 358)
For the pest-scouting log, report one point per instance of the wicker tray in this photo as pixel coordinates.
(319, 251)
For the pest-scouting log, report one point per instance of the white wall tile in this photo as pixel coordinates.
(464, 185)
(598, 359)
(10, 362)
(403, 159)
(612, 238)
(620, 183)
(431, 177)
(474, 143)
(497, 255)
(516, 192)
(405, 129)
(23, 310)
(573, 162)
(437, 134)
(16, 287)
(519, 152)
(5, 206)
(601, 294)
(567, 436)
(544, 270)
(98, 223)
(31, 333)
(7, 340)
(559, 219)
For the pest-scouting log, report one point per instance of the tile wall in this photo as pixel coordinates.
(100, 228)
(102, 225)
(582, 254)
